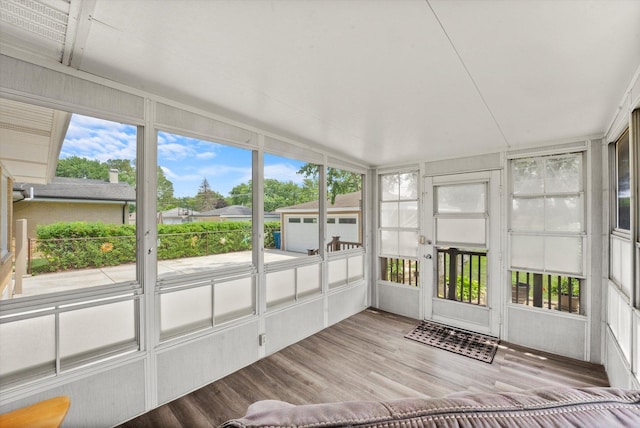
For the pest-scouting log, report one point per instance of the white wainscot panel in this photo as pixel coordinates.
(548, 332)
(287, 326)
(193, 364)
(401, 300)
(347, 302)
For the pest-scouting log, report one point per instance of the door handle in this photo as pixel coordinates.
(427, 256)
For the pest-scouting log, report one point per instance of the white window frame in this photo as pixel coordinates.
(544, 234)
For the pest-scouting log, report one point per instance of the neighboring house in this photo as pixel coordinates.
(72, 199)
(177, 215)
(232, 213)
(300, 222)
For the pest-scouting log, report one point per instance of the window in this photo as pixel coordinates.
(291, 189)
(547, 226)
(205, 225)
(623, 189)
(84, 220)
(398, 219)
(80, 302)
(344, 200)
(4, 214)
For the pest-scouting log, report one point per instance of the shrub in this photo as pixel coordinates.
(78, 245)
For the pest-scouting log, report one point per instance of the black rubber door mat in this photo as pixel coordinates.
(462, 342)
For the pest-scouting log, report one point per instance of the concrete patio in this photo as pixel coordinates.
(78, 279)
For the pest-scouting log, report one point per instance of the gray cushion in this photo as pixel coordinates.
(583, 407)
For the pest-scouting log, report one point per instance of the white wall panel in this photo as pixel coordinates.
(347, 302)
(399, 300)
(287, 326)
(98, 400)
(193, 364)
(541, 330)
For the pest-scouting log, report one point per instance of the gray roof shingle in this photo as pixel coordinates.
(79, 188)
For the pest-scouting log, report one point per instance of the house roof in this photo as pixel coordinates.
(78, 188)
(347, 200)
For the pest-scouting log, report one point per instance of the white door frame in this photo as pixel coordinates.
(481, 319)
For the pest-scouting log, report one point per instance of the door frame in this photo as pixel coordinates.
(482, 319)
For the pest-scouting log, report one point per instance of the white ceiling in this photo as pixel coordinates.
(382, 82)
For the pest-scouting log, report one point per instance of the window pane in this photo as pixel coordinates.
(408, 244)
(461, 198)
(291, 193)
(389, 242)
(337, 272)
(564, 214)
(92, 332)
(527, 252)
(82, 223)
(409, 185)
(564, 174)
(344, 190)
(563, 254)
(233, 299)
(33, 348)
(204, 204)
(527, 176)
(461, 231)
(408, 214)
(308, 278)
(281, 287)
(185, 310)
(389, 214)
(623, 189)
(390, 187)
(527, 214)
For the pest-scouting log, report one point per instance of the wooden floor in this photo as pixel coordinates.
(366, 357)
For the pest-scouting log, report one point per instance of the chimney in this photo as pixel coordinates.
(113, 176)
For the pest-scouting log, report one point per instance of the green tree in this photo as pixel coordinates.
(207, 199)
(166, 199)
(339, 181)
(77, 167)
(241, 194)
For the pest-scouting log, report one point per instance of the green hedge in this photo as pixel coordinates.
(77, 245)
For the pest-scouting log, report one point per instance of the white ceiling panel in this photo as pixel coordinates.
(381, 82)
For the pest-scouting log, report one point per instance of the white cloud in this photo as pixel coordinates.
(283, 172)
(174, 177)
(99, 139)
(206, 155)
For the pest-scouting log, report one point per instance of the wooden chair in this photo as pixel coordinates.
(45, 414)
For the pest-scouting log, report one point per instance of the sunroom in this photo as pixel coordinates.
(492, 149)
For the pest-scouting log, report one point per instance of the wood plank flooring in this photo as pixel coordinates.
(366, 357)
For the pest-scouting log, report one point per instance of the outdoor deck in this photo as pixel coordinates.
(366, 357)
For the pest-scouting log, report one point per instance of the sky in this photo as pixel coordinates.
(185, 161)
